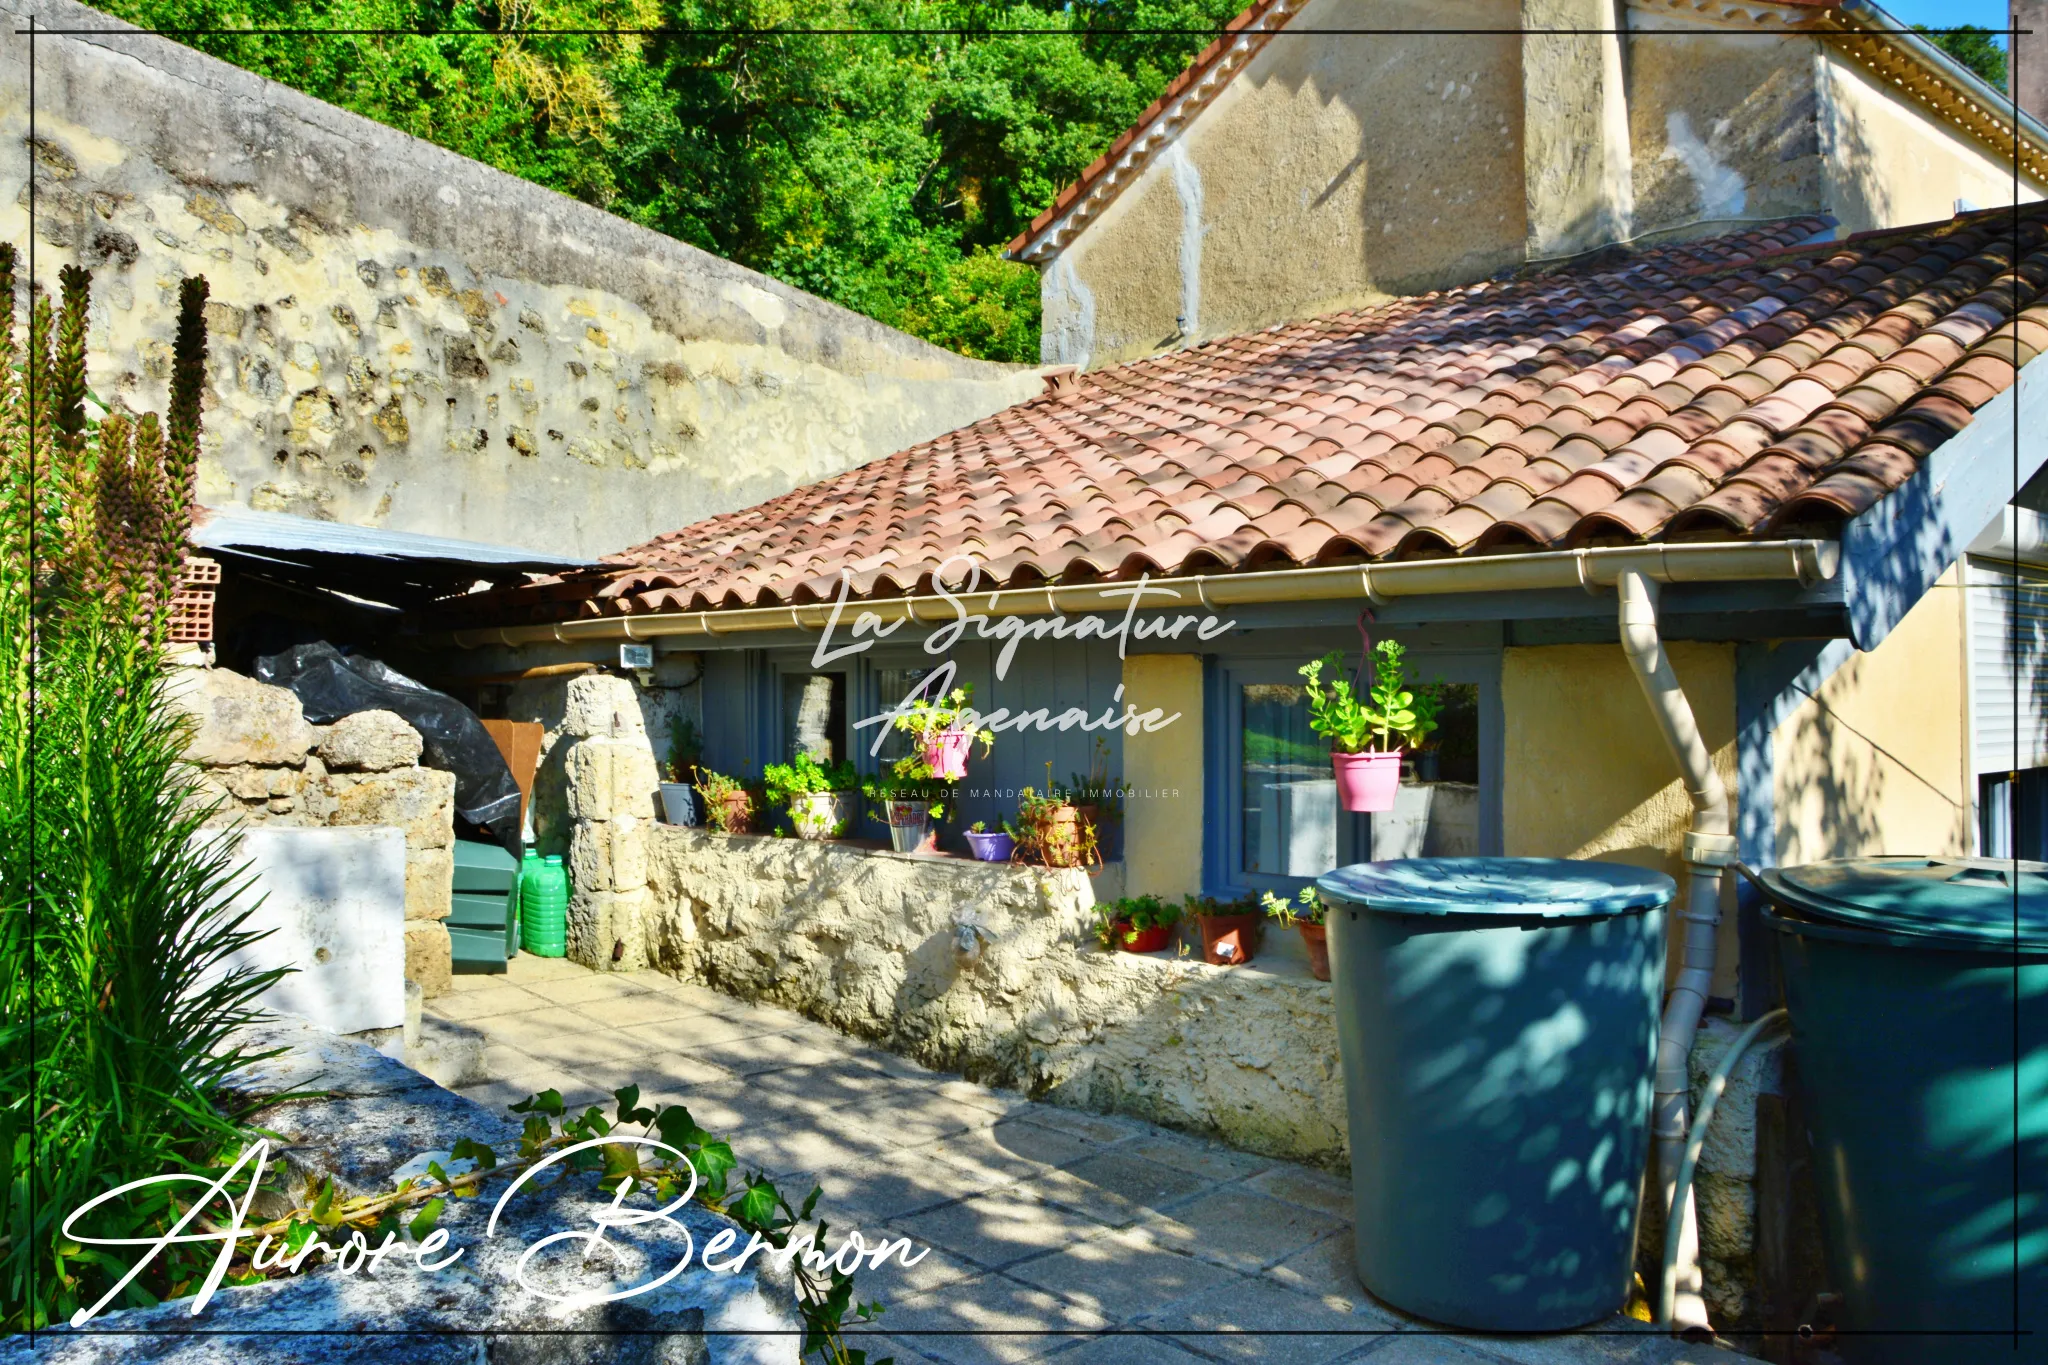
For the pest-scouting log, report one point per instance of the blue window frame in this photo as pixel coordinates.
(1274, 823)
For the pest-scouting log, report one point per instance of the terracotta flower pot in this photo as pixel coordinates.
(1316, 937)
(1229, 940)
(739, 812)
(946, 754)
(992, 847)
(1142, 940)
(1057, 833)
(1367, 782)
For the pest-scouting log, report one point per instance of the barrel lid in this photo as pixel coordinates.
(1969, 900)
(1552, 888)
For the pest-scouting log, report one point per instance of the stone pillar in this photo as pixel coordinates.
(1578, 164)
(610, 782)
(1163, 825)
(372, 780)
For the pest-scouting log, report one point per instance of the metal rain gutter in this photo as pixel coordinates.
(1806, 562)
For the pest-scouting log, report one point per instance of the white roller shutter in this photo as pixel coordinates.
(2008, 643)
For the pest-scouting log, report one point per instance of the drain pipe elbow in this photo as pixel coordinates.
(1709, 847)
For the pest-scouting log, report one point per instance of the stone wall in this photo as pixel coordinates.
(266, 765)
(373, 1122)
(405, 338)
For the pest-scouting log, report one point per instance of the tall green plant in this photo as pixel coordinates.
(116, 909)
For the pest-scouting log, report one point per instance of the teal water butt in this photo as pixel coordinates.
(1497, 1024)
(1918, 989)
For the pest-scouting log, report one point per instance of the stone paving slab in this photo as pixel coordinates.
(1053, 1234)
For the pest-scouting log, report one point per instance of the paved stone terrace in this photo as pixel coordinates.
(1041, 1220)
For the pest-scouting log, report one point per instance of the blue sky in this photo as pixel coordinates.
(1947, 13)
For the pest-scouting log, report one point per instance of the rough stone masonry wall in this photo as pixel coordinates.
(405, 338)
(266, 765)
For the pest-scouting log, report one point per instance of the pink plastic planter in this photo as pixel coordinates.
(946, 754)
(1367, 782)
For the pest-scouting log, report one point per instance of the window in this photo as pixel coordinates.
(1274, 797)
(814, 716)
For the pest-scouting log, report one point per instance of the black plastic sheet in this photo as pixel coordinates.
(330, 685)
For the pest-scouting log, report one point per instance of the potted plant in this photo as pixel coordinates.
(1230, 929)
(728, 805)
(819, 797)
(1049, 829)
(911, 802)
(1136, 924)
(1308, 914)
(992, 846)
(1366, 735)
(678, 793)
(1097, 796)
(941, 732)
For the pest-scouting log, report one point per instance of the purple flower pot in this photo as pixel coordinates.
(991, 848)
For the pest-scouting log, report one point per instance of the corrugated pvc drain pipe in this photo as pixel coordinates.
(1667, 1282)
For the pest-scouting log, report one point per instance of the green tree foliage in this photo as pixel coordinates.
(1974, 47)
(881, 170)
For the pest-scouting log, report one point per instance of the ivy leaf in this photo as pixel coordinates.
(620, 1160)
(428, 1215)
(468, 1149)
(629, 1105)
(678, 1129)
(756, 1208)
(547, 1102)
(297, 1235)
(810, 1202)
(713, 1162)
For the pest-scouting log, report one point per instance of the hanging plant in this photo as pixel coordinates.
(1367, 734)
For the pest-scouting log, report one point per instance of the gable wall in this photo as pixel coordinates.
(1334, 171)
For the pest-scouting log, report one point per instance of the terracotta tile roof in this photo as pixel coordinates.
(1733, 387)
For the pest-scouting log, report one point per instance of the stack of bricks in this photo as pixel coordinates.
(262, 763)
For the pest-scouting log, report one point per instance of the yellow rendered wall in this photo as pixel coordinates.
(1893, 162)
(1329, 173)
(1586, 773)
(1163, 814)
(1877, 759)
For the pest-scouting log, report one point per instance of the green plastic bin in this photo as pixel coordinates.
(1497, 1024)
(1911, 982)
(481, 911)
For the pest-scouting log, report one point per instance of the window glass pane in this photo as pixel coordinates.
(814, 716)
(1453, 751)
(1290, 793)
(892, 685)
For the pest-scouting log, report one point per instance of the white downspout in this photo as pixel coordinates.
(1709, 847)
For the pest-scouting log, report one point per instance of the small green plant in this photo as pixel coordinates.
(1306, 908)
(1195, 906)
(1123, 919)
(1387, 718)
(926, 720)
(909, 779)
(685, 749)
(805, 776)
(978, 827)
(1096, 787)
(721, 811)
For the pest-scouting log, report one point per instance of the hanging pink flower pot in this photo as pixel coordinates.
(946, 754)
(1367, 782)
